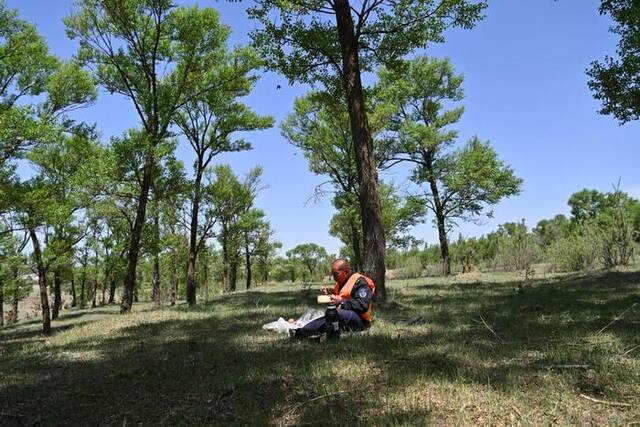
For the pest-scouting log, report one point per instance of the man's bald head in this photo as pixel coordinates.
(340, 270)
(340, 264)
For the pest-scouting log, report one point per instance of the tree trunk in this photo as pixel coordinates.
(233, 273)
(95, 279)
(42, 282)
(1, 303)
(173, 277)
(15, 307)
(440, 219)
(136, 286)
(265, 272)
(372, 227)
(95, 292)
(136, 234)
(247, 259)
(356, 263)
(225, 260)
(205, 279)
(73, 290)
(155, 281)
(83, 282)
(57, 294)
(193, 238)
(112, 290)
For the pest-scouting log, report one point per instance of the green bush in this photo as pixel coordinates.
(411, 268)
(573, 253)
(517, 253)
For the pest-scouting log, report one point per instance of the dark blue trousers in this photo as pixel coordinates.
(349, 321)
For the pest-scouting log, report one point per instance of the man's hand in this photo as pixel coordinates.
(337, 299)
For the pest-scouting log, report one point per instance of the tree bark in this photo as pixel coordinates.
(95, 279)
(233, 273)
(155, 281)
(42, 282)
(225, 259)
(265, 272)
(95, 292)
(372, 227)
(205, 279)
(356, 263)
(112, 290)
(440, 218)
(1, 303)
(193, 238)
(15, 306)
(136, 234)
(247, 259)
(83, 282)
(173, 277)
(57, 294)
(136, 286)
(73, 290)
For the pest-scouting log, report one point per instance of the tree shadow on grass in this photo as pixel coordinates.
(220, 368)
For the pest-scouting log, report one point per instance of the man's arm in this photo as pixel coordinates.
(360, 297)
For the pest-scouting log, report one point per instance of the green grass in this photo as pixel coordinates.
(214, 365)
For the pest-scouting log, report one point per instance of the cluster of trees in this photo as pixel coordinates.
(410, 124)
(99, 216)
(603, 231)
(91, 212)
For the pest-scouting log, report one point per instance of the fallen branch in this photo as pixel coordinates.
(517, 411)
(566, 367)
(605, 402)
(616, 319)
(489, 328)
(630, 350)
(299, 405)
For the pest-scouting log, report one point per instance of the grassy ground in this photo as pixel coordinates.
(485, 352)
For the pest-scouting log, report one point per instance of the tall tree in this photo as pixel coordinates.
(399, 215)
(210, 124)
(319, 126)
(614, 81)
(37, 90)
(459, 183)
(61, 167)
(169, 189)
(333, 42)
(231, 198)
(254, 228)
(13, 266)
(26, 67)
(310, 256)
(154, 54)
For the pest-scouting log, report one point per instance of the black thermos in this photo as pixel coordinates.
(333, 323)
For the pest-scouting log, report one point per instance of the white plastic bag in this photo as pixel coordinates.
(281, 326)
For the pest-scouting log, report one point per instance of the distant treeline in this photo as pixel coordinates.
(602, 232)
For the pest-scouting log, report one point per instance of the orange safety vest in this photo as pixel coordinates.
(345, 292)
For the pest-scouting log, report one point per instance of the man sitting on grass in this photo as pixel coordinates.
(352, 295)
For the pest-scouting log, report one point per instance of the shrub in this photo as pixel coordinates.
(518, 253)
(411, 268)
(573, 253)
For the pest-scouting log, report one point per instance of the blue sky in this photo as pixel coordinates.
(525, 89)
